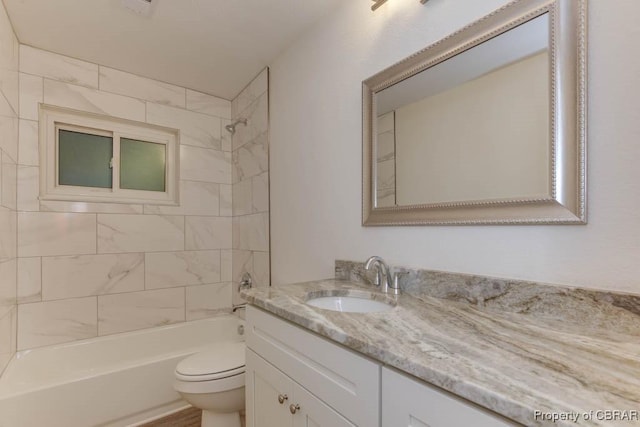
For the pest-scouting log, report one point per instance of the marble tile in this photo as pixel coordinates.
(3, 208)
(9, 46)
(242, 263)
(171, 269)
(8, 233)
(52, 234)
(242, 199)
(122, 83)
(139, 310)
(196, 129)
(253, 232)
(226, 200)
(208, 300)
(10, 86)
(260, 193)
(196, 198)
(257, 123)
(9, 137)
(225, 136)
(201, 164)
(6, 110)
(31, 94)
(208, 104)
(386, 123)
(93, 101)
(8, 280)
(207, 233)
(83, 207)
(261, 269)
(58, 67)
(226, 265)
(28, 188)
(251, 159)
(386, 176)
(54, 322)
(8, 324)
(28, 150)
(9, 63)
(386, 146)
(249, 94)
(9, 182)
(29, 280)
(140, 233)
(235, 232)
(86, 275)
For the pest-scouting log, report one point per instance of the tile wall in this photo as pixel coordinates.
(386, 161)
(90, 269)
(250, 157)
(9, 99)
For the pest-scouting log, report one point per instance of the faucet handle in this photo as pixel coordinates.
(396, 281)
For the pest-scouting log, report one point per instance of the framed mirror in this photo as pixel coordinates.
(486, 126)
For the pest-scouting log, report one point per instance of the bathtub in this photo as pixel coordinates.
(116, 380)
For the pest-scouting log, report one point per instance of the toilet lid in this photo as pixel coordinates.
(218, 361)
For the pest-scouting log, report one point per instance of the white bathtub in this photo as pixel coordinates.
(117, 380)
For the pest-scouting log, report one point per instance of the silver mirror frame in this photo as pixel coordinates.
(568, 98)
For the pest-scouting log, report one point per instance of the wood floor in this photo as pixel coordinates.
(190, 417)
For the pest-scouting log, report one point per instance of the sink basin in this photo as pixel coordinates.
(361, 303)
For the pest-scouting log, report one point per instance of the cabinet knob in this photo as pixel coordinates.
(282, 398)
(294, 408)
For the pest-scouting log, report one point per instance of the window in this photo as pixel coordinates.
(92, 158)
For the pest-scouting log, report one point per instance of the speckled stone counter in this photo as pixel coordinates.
(509, 362)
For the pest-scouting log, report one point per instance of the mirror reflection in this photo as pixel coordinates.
(472, 128)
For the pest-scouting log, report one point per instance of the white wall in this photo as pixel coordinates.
(316, 155)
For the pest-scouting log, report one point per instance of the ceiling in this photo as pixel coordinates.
(214, 46)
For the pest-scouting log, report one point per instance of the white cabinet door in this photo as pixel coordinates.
(343, 379)
(266, 386)
(313, 412)
(407, 402)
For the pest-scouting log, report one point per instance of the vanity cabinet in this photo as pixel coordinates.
(409, 403)
(333, 386)
(275, 400)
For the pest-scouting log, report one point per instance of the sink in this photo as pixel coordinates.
(351, 303)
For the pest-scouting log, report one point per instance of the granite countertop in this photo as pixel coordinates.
(508, 362)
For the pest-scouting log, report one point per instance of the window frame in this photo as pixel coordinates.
(52, 119)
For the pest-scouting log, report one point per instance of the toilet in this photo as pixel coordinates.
(213, 380)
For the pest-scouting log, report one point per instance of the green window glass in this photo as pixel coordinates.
(84, 159)
(143, 165)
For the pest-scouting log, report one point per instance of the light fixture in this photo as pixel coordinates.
(377, 3)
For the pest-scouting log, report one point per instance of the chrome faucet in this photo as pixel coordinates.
(383, 275)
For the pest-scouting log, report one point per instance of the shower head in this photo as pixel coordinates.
(232, 127)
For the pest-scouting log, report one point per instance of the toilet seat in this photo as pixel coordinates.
(218, 368)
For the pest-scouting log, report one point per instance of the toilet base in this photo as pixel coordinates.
(215, 419)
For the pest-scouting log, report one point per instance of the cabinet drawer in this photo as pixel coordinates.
(347, 382)
(408, 402)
